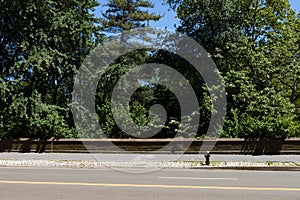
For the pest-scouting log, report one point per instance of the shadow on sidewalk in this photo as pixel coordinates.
(262, 146)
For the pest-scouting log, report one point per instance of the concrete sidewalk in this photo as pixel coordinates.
(150, 162)
(148, 157)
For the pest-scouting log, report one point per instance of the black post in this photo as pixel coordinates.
(207, 156)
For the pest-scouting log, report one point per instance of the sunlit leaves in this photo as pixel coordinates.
(256, 46)
(42, 45)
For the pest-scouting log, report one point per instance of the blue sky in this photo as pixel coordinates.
(169, 19)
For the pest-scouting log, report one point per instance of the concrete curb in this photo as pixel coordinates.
(252, 168)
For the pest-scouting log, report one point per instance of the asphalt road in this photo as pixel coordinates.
(109, 184)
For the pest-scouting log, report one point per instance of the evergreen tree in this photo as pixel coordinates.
(120, 16)
(127, 14)
(42, 45)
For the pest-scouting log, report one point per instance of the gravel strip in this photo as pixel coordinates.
(91, 164)
(138, 164)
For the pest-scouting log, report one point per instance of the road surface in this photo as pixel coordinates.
(181, 184)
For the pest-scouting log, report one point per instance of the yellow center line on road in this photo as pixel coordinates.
(149, 186)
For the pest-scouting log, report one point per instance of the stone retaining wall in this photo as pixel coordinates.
(218, 146)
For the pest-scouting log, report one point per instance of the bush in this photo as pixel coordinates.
(29, 117)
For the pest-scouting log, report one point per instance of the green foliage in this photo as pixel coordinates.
(255, 45)
(127, 14)
(42, 44)
(267, 115)
(30, 117)
(139, 114)
(111, 129)
(123, 15)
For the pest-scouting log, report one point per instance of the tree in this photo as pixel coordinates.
(43, 122)
(42, 45)
(127, 14)
(254, 44)
(120, 16)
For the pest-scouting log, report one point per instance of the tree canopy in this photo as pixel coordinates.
(42, 45)
(127, 14)
(254, 43)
